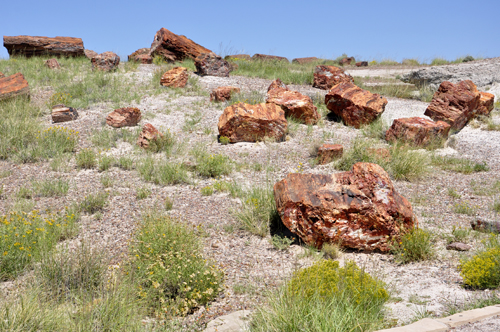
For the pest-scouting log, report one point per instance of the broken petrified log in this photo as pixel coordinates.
(13, 86)
(329, 152)
(417, 131)
(172, 47)
(63, 113)
(223, 93)
(486, 103)
(210, 64)
(176, 77)
(149, 133)
(29, 46)
(124, 117)
(325, 77)
(107, 61)
(358, 209)
(141, 56)
(266, 57)
(362, 64)
(90, 54)
(486, 226)
(302, 61)
(295, 105)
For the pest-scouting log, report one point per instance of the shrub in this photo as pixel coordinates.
(169, 203)
(125, 163)
(212, 165)
(416, 245)
(163, 143)
(207, 191)
(54, 141)
(143, 193)
(331, 250)
(93, 203)
(483, 269)
(86, 158)
(105, 162)
(162, 172)
(280, 243)
(464, 208)
(59, 98)
(49, 188)
(224, 140)
(439, 62)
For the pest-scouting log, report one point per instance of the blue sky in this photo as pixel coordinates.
(366, 30)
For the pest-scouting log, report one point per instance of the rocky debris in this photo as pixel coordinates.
(265, 57)
(223, 93)
(358, 209)
(454, 103)
(142, 56)
(52, 64)
(458, 246)
(124, 117)
(107, 61)
(483, 73)
(1, 74)
(63, 113)
(13, 86)
(172, 47)
(238, 57)
(329, 152)
(325, 77)
(277, 83)
(355, 106)
(295, 104)
(251, 123)
(90, 54)
(362, 64)
(417, 131)
(486, 226)
(29, 46)
(346, 61)
(486, 103)
(148, 134)
(302, 61)
(176, 77)
(210, 64)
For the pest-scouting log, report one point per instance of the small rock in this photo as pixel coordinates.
(124, 117)
(13, 86)
(210, 64)
(302, 61)
(223, 93)
(107, 61)
(325, 77)
(458, 246)
(295, 105)
(329, 152)
(362, 64)
(176, 77)
(90, 54)
(52, 64)
(486, 103)
(277, 83)
(62, 113)
(346, 61)
(142, 56)
(148, 134)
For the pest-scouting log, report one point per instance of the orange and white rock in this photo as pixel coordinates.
(417, 131)
(295, 105)
(486, 103)
(13, 86)
(329, 152)
(176, 77)
(148, 134)
(124, 117)
(325, 77)
(223, 93)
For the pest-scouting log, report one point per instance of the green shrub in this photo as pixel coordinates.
(439, 62)
(483, 269)
(458, 234)
(280, 243)
(108, 138)
(464, 208)
(105, 162)
(212, 165)
(224, 140)
(106, 181)
(253, 98)
(331, 250)
(86, 158)
(125, 163)
(162, 172)
(416, 245)
(59, 98)
(163, 143)
(93, 203)
(50, 188)
(207, 191)
(169, 203)
(143, 193)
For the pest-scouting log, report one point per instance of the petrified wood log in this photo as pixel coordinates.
(172, 47)
(63, 113)
(210, 64)
(176, 77)
(29, 46)
(417, 131)
(325, 77)
(223, 93)
(13, 85)
(295, 105)
(124, 117)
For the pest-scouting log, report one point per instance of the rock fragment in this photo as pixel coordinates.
(210, 64)
(63, 113)
(148, 134)
(295, 104)
(176, 77)
(142, 56)
(486, 103)
(172, 47)
(329, 152)
(325, 77)
(223, 93)
(417, 131)
(13, 86)
(52, 64)
(107, 61)
(29, 46)
(124, 117)
(266, 57)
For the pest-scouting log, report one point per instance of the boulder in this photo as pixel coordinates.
(52, 64)
(223, 93)
(63, 113)
(265, 57)
(90, 54)
(458, 246)
(346, 61)
(277, 83)
(454, 103)
(29, 46)
(355, 106)
(13, 86)
(176, 77)
(107, 61)
(172, 47)
(486, 226)
(486, 103)
(148, 133)
(362, 64)
(124, 117)
(329, 152)
(238, 57)
(417, 131)
(302, 61)
(358, 209)
(141, 56)
(295, 104)
(325, 77)
(210, 64)
(251, 123)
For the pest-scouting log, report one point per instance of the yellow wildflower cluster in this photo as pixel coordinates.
(483, 269)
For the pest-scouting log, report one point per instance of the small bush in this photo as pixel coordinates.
(50, 188)
(280, 243)
(163, 143)
(416, 245)
(331, 250)
(86, 158)
(162, 172)
(105, 162)
(169, 204)
(464, 208)
(483, 269)
(439, 62)
(212, 165)
(143, 193)
(125, 163)
(224, 140)
(93, 203)
(458, 234)
(106, 181)
(59, 98)
(207, 191)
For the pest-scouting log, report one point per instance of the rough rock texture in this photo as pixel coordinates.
(486, 103)
(265, 57)
(1, 74)
(148, 133)
(359, 209)
(29, 46)
(251, 123)
(210, 64)
(90, 54)
(223, 93)
(277, 83)
(142, 56)
(329, 152)
(295, 104)
(417, 131)
(454, 103)
(52, 64)
(63, 113)
(302, 61)
(238, 57)
(355, 106)
(176, 77)
(362, 64)
(172, 47)
(487, 226)
(124, 117)
(346, 61)
(13, 86)
(107, 61)
(482, 73)
(325, 77)
(458, 246)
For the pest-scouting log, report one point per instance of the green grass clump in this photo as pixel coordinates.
(483, 269)
(325, 297)
(25, 237)
(51, 188)
(464, 208)
(253, 98)
(289, 73)
(207, 191)
(212, 165)
(94, 203)
(108, 138)
(414, 246)
(439, 62)
(459, 165)
(162, 172)
(86, 158)
(164, 143)
(143, 193)
(171, 274)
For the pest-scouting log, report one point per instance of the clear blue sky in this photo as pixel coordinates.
(364, 29)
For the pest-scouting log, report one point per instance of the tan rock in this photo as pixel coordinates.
(176, 77)
(325, 77)
(458, 246)
(124, 117)
(148, 134)
(107, 61)
(142, 56)
(329, 152)
(52, 64)
(251, 123)
(359, 209)
(454, 103)
(90, 54)
(355, 106)
(266, 57)
(210, 64)
(302, 61)
(295, 104)
(63, 113)
(172, 47)
(29, 46)
(486, 103)
(277, 83)
(13, 86)
(223, 93)
(417, 131)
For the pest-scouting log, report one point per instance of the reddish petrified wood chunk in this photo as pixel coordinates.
(52, 64)
(362, 64)
(107, 61)
(302, 61)
(417, 131)
(210, 64)
(486, 103)
(124, 117)
(1, 74)
(172, 47)
(142, 56)
(176, 77)
(295, 104)
(223, 93)
(63, 113)
(148, 134)
(329, 152)
(277, 83)
(13, 86)
(346, 61)
(358, 209)
(29, 46)
(325, 77)
(90, 54)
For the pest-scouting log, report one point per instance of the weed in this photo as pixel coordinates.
(453, 193)
(105, 162)
(162, 172)
(496, 206)
(24, 192)
(163, 143)
(458, 234)
(169, 204)
(51, 188)
(280, 243)
(483, 269)
(331, 250)
(143, 193)
(93, 203)
(416, 245)
(125, 163)
(375, 129)
(224, 140)
(212, 165)
(464, 208)
(86, 158)
(106, 181)
(192, 120)
(207, 191)
(460, 165)
(243, 288)
(108, 138)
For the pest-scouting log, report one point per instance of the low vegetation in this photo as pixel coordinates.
(483, 269)
(414, 246)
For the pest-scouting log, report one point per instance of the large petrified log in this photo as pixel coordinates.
(29, 46)
(355, 106)
(417, 131)
(358, 209)
(172, 47)
(13, 85)
(251, 123)
(325, 77)
(107, 61)
(294, 103)
(210, 64)
(266, 57)
(454, 103)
